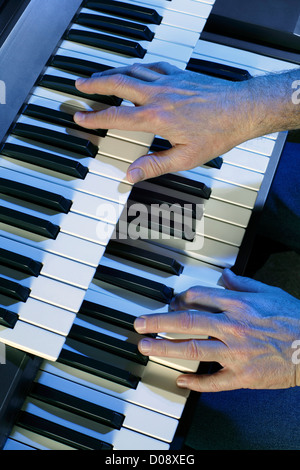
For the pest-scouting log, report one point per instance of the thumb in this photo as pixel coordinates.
(243, 284)
(155, 164)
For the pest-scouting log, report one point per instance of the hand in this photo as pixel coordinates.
(201, 116)
(251, 328)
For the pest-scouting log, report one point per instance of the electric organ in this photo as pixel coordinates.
(70, 288)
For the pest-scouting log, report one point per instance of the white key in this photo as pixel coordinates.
(156, 390)
(186, 6)
(247, 159)
(202, 248)
(64, 245)
(231, 174)
(34, 340)
(110, 58)
(126, 439)
(55, 267)
(76, 225)
(223, 191)
(59, 101)
(43, 315)
(242, 58)
(189, 19)
(212, 208)
(12, 444)
(161, 31)
(34, 441)
(93, 184)
(157, 47)
(137, 419)
(83, 204)
(50, 291)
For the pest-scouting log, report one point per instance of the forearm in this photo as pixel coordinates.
(202, 117)
(275, 102)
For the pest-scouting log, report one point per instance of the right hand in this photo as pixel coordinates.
(201, 116)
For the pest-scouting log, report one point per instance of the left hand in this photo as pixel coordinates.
(251, 328)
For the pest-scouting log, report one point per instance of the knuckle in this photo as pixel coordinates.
(118, 81)
(186, 320)
(111, 114)
(135, 68)
(162, 348)
(193, 350)
(190, 295)
(240, 330)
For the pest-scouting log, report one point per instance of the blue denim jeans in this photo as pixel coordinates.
(281, 216)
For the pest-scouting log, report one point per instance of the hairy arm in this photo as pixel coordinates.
(201, 116)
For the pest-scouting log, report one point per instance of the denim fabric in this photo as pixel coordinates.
(281, 216)
(247, 420)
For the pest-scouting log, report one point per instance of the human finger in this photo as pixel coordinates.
(146, 72)
(223, 380)
(185, 322)
(205, 298)
(114, 117)
(118, 84)
(192, 349)
(243, 284)
(159, 163)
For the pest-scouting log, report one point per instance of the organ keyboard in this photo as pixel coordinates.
(70, 291)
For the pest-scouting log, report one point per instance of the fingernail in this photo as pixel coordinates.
(78, 117)
(140, 325)
(136, 175)
(181, 382)
(80, 81)
(145, 346)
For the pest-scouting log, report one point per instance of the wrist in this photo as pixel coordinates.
(269, 103)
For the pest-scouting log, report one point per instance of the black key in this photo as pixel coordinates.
(60, 433)
(144, 257)
(98, 368)
(159, 145)
(178, 224)
(117, 26)
(227, 72)
(35, 195)
(56, 139)
(215, 163)
(110, 315)
(66, 85)
(110, 43)
(144, 196)
(145, 287)
(7, 318)
(78, 66)
(47, 160)
(107, 343)
(14, 290)
(77, 406)
(182, 184)
(20, 262)
(28, 222)
(59, 118)
(125, 10)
